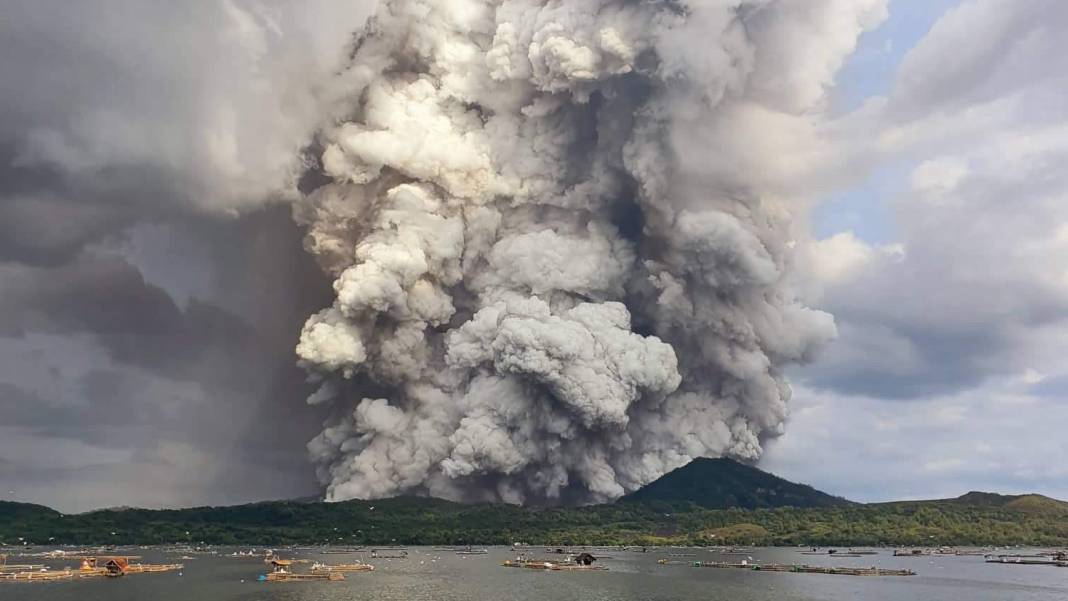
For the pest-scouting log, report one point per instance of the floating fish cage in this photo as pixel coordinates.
(342, 567)
(805, 569)
(37, 576)
(300, 577)
(535, 564)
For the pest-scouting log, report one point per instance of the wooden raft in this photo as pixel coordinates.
(342, 567)
(805, 569)
(551, 565)
(294, 577)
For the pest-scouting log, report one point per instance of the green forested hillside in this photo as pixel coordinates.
(1025, 503)
(24, 513)
(708, 502)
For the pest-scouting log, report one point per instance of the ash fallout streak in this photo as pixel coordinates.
(560, 240)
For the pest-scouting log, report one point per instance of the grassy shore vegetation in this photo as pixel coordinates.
(990, 520)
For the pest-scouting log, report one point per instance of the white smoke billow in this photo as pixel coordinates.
(560, 235)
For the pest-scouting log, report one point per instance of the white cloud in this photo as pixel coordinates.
(980, 273)
(869, 450)
(937, 177)
(965, 329)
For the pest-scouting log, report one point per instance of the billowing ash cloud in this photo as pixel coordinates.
(560, 236)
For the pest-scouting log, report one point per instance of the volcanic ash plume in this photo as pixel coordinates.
(559, 236)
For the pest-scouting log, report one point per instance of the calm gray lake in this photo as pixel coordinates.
(437, 575)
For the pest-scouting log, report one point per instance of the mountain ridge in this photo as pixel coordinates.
(1022, 503)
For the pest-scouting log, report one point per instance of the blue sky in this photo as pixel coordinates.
(869, 73)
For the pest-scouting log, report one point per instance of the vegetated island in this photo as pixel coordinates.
(708, 502)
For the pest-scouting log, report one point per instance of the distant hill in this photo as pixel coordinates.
(24, 512)
(23, 517)
(725, 483)
(1031, 503)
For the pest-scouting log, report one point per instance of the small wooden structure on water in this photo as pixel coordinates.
(91, 567)
(471, 551)
(28, 573)
(251, 554)
(1027, 560)
(578, 563)
(839, 552)
(551, 566)
(105, 566)
(146, 568)
(297, 577)
(912, 552)
(20, 567)
(114, 567)
(281, 571)
(120, 566)
(272, 559)
(61, 554)
(37, 576)
(342, 567)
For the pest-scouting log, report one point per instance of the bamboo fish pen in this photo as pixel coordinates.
(805, 569)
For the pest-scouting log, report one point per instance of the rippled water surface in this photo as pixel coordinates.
(439, 575)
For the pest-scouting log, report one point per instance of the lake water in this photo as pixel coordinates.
(438, 575)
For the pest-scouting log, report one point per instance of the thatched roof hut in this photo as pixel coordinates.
(115, 566)
(281, 566)
(584, 559)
